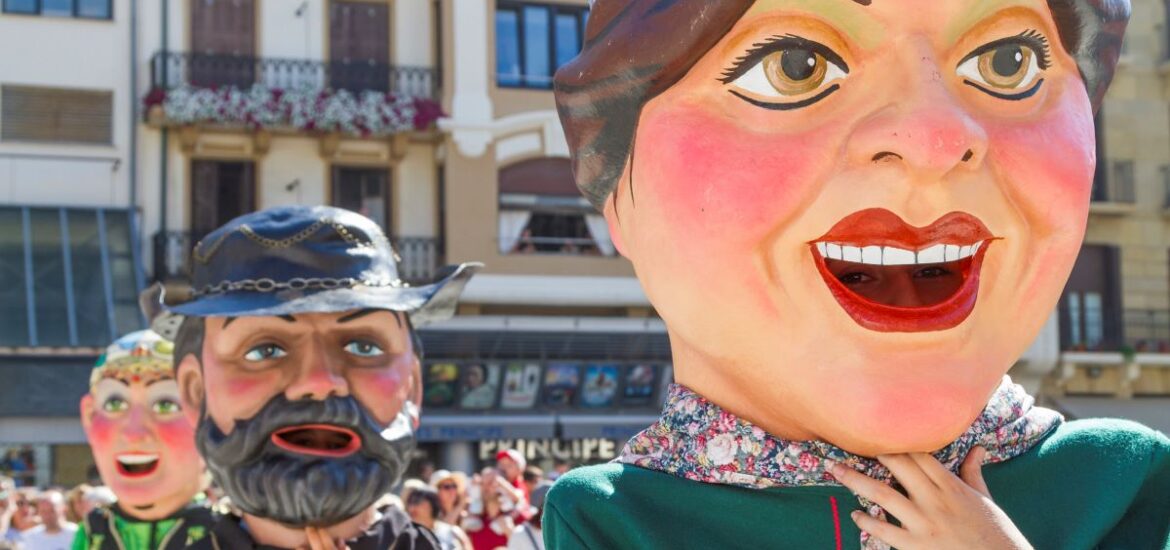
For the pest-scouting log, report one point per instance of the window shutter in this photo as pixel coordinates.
(56, 115)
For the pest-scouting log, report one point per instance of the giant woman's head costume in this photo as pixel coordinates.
(853, 215)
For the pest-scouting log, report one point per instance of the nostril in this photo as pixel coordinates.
(884, 155)
(968, 155)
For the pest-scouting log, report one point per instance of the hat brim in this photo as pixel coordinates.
(424, 304)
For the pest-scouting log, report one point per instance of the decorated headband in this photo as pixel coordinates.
(635, 50)
(141, 356)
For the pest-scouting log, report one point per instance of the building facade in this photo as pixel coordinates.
(1115, 312)
(70, 267)
(160, 121)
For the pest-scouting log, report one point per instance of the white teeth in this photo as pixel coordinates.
(851, 254)
(834, 252)
(134, 460)
(952, 253)
(897, 256)
(871, 255)
(890, 255)
(933, 255)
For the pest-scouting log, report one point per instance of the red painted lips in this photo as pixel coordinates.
(875, 263)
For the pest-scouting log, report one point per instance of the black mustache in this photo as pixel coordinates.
(267, 481)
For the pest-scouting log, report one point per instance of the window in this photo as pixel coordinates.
(68, 276)
(56, 115)
(86, 9)
(1090, 310)
(220, 192)
(534, 40)
(541, 212)
(365, 191)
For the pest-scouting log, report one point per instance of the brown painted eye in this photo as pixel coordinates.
(1005, 67)
(795, 71)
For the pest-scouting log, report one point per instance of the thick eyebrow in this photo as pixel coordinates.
(288, 318)
(363, 312)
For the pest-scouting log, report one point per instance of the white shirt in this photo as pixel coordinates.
(521, 541)
(39, 539)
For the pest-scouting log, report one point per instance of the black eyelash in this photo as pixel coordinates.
(774, 44)
(1030, 38)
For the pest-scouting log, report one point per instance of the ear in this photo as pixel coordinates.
(86, 406)
(191, 391)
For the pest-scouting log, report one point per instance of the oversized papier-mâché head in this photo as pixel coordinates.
(853, 215)
(143, 445)
(296, 360)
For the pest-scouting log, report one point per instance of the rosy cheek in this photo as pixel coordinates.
(1048, 165)
(177, 435)
(723, 190)
(102, 433)
(383, 390)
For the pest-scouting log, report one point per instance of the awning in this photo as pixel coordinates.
(619, 427)
(1151, 411)
(479, 427)
(69, 277)
(43, 386)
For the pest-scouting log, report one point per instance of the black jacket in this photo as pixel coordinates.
(394, 531)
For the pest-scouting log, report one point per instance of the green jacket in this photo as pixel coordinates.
(1091, 484)
(111, 529)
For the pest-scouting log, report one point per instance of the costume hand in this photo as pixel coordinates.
(942, 509)
(319, 539)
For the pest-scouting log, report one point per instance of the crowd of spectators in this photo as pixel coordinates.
(499, 507)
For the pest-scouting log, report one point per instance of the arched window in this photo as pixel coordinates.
(541, 212)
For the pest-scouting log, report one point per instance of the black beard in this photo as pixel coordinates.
(301, 490)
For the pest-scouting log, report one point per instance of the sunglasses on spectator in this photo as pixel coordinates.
(447, 486)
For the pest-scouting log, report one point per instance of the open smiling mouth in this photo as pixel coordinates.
(318, 440)
(136, 464)
(890, 276)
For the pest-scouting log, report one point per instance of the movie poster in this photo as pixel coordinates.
(561, 382)
(639, 387)
(521, 383)
(440, 385)
(601, 385)
(480, 385)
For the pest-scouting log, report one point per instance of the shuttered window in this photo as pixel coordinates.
(56, 115)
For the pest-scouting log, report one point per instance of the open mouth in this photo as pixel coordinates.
(892, 277)
(136, 464)
(318, 440)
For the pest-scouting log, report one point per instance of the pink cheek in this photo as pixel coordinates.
(177, 435)
(719, 193)
(1048, 166)
(381, 391)
(102, 433)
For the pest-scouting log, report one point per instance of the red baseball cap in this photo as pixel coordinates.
(514, 455)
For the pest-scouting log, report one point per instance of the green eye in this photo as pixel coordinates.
(115, 405)
(264, 352)
(363, 348)
(166, 406)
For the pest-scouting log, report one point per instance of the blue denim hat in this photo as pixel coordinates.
(301, 259)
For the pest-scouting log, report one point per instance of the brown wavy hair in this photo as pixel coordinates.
(636, 49)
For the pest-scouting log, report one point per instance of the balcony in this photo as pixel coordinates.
(1140, 331)
(418, 264)
(290, 95)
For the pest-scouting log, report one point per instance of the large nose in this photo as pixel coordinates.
(320, 376)
(924, 127)
(136, 429)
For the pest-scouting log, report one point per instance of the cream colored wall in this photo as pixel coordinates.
(415, 187)
(282, 34)
(64, 52)
(413, 33)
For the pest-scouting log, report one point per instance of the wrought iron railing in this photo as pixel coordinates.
(1140, 330)
(419, 257)
(174, 69)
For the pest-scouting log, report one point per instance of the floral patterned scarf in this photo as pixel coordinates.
(697, 440)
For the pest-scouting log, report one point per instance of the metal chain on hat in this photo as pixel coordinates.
(296, 283)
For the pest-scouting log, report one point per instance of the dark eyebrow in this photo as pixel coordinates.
(363, 312)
